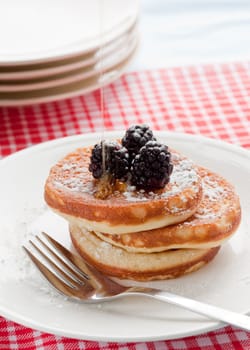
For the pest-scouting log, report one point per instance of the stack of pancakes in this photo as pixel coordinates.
(142, 235)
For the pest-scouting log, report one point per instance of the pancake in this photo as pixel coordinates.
(70, 192)
(117, 262)
(216, 219)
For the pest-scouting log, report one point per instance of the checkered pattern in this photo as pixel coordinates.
(211, 100)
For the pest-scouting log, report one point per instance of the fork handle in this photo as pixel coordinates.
(214, 312)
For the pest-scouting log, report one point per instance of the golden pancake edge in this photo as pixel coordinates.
(70, 192)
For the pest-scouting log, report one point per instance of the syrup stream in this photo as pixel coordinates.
(101, 78)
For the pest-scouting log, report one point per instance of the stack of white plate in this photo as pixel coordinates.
(50, 50)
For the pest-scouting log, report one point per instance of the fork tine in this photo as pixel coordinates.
(73, 269)
(61, 282)
(53, 278)
(73, 260)
(55, 261)
(55, 267)
(95, 277)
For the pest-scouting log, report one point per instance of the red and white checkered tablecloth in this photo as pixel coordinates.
(212, 100)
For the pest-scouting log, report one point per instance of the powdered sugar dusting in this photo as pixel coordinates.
(76, 181)
(104, 248)
(68, 166)
(15, 265)
(75, 185)
(76, 178)
(212, 190)
(213, 194)
(184, 176)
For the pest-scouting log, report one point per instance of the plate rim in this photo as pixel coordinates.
(51, 96)
(74, 75)
(82, 60)
(186, 137)
(74, 48)
(99, 134)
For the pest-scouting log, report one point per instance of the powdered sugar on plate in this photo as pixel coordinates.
(15, 265)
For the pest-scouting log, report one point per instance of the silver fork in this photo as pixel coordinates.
(78, 280)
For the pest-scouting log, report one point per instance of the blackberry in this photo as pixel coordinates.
(95, 166)
(119, 163)
(116, 162)
(152, 167)
(136, 137)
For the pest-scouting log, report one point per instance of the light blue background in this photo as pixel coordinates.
(180, 32)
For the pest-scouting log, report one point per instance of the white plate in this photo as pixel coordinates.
(26, 298)
(11, 73)
(42, 31)
(80, 87)
(104, 64)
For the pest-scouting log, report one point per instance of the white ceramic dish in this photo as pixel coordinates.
(66, 91)
(66, 65)
(26, 298)
(41, 31)
(103, 64)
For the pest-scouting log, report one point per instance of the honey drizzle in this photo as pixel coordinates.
(106, 185)
(101, 79)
